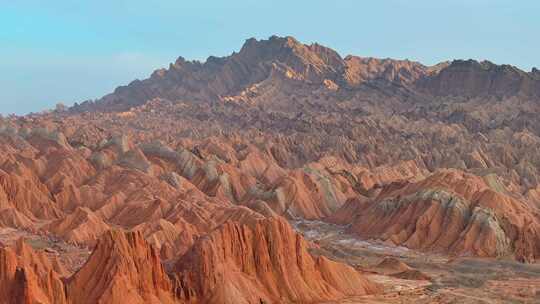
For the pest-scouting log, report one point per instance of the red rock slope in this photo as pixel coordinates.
(449, 211)
(29, 277)
(264, 262)
(122, 269)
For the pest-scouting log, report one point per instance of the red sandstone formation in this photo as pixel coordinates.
(450, 211)
(262, 262)
(217, 269)
(82, 227)
(122, 268)
(29, 277)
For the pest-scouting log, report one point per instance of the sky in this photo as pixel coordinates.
(70, 51)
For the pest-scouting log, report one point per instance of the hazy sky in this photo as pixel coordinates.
(68, 50)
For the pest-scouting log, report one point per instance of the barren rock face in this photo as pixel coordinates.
(123, 267)
(265, 261)
(28, 277)
(450, 211)
(81, 226)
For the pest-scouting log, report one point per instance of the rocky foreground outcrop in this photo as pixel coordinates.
(238, 263)
(265, 262)
(29, 277)
(122, 268)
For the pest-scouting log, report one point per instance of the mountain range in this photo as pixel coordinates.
(219, 78)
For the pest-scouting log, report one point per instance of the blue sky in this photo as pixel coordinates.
(68, 51)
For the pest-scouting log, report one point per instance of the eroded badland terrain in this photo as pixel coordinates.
(283, 173)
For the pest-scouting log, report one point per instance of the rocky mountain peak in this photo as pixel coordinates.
(313, 59)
